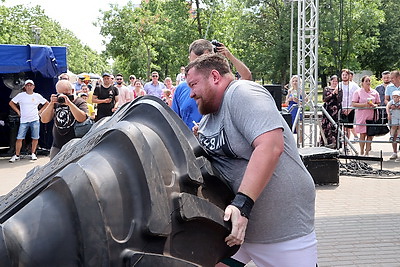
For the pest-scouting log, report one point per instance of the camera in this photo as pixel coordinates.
(215, 44)
(60, 99)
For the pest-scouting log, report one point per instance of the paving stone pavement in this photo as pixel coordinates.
(357, 221)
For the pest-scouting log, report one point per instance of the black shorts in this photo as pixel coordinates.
(349, 118)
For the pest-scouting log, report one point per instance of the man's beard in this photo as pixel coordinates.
(205, 106)
(119, 83)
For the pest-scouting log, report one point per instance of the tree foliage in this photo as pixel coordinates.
(348, 31)
(355, 34)
(268, 36)
(387, 54)
(256, 31)
(151, 37)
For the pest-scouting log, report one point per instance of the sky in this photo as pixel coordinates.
(75, 15)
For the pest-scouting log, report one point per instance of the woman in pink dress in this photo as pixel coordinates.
(367, 99)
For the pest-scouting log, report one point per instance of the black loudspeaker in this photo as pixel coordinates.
(322, 163)
(276, 92)
(288, 118)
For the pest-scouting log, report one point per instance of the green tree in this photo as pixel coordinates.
(387, 55)
(157, 34)
(132, 34)
(265, 39)
(154, 36)
(348, 31)
(179, 31)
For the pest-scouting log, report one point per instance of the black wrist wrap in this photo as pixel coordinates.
(243, 203)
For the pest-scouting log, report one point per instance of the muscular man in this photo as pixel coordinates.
(252, 147)
(66, 111)
(182, 104)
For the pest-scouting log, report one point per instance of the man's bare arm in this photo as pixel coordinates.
(243, 70)
(268, 147)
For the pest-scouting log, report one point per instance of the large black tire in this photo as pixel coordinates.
(136, 190)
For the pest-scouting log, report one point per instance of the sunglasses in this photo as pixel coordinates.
(154, 76)
(63, 78)
(119, 79)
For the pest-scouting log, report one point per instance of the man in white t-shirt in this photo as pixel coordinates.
(28, 102)
(348, 87)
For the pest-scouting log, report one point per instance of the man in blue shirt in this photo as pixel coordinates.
(182, 104)
(154, 87)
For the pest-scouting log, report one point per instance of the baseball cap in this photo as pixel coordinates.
(83, 94)
(106, 74)
(29, 81)
(397, 92)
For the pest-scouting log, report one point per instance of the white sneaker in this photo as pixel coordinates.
(14, 158)
(33, 156)
(393, 156)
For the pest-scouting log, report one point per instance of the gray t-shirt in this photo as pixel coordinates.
(285, 209)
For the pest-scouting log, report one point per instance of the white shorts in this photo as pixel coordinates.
(299, 252)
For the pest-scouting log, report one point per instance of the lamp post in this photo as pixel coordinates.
(36, 33)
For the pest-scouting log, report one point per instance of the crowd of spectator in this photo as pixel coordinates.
(344, 100)
(76, 101)
(353, 105)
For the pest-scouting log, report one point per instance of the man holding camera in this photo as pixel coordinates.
(106, 97)
(66, 111)
(182, 104)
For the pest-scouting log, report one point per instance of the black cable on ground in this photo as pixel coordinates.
(363, 169)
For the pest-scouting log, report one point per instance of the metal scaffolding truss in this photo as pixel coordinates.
(307, 67)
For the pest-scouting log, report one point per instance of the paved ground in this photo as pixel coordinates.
(357, 221)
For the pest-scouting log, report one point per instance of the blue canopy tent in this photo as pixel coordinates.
(42, 64)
